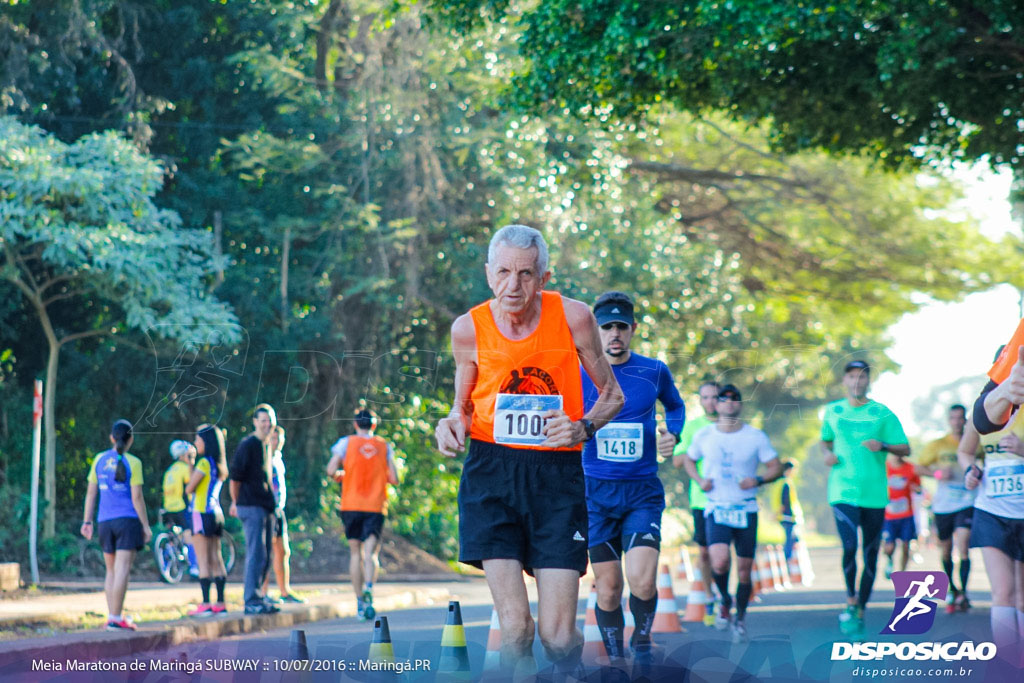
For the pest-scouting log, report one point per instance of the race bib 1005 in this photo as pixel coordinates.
(518, 418)
(1004, 478)
(734, 516)
(620, 441)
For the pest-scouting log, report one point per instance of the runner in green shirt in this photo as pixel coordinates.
(856, 436)
(708, 393)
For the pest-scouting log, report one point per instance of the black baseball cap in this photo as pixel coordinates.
(730, 391)
(614, 307)
(857, 365)
(365, 418)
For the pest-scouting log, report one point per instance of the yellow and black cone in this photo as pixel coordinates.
(381, 649)
(454, 661)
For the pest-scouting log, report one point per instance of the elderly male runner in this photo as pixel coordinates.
(519, 397)
(625, 498)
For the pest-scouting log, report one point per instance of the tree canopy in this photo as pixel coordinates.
(901, 81)
(341, 167)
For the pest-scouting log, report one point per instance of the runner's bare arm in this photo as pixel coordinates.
(966, 455)
(452, 430)
(90, 505)
(830, 456)
(690, 466)
(559, 429)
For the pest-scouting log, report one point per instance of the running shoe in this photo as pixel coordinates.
(951, 600)
(709, 614)
(888, 567)
(739, 630)
(722, 619)
(291, 597)
(963, 604)
(847, 620)
(360, 608)
(261, 608)
(218, 608)
(124, 624)
(203, 609)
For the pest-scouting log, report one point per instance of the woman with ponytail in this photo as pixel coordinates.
(123, 529)
(207, 516)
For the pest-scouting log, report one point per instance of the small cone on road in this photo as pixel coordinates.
(696, 599)
(381, 649)
(593, 644)
(794, 569)
(454, 653)
(806, 570)
(297, 649)
(765, 571)
(773, 563)
(666, 619)
(755, 582)
(492, 658)
(684, 571)
(780, 557)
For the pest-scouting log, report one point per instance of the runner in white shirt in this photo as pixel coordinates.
(732, 451)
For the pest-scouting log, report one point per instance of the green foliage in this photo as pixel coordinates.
(349, 163)
(897, 80)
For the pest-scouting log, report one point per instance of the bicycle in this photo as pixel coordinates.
(171, 553)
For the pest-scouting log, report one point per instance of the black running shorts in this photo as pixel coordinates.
(523, 504)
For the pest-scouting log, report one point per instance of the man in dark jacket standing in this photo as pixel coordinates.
(252, 501)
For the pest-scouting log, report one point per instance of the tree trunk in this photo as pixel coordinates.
(50, 430)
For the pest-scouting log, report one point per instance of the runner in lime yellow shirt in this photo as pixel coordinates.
(856, 436)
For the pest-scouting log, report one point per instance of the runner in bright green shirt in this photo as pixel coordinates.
(856, 436)
(708, 393)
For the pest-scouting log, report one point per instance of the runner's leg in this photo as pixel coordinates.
(508, 591)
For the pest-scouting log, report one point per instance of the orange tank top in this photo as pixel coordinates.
(546, 362)
(366, 475)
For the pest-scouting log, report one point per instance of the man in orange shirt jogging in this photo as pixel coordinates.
(367, 464)
(519, 399)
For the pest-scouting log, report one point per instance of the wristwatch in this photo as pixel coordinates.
(589, 428)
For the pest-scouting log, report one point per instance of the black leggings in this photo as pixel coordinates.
(870, 520)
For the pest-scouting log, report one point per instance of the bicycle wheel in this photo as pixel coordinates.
(168, 551)
(227, 551)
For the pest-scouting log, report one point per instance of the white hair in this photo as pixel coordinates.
(520, 237)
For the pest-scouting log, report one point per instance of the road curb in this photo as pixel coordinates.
(97, 645)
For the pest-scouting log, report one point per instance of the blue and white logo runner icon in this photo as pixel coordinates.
(917, 594)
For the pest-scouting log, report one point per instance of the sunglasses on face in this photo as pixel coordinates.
(728, 397)
(617, 326)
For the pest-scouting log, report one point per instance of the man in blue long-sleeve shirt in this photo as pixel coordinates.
(625, 498)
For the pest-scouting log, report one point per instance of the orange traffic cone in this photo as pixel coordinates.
(780, 557)
(794, 569)
(764, 572)
(773, 563)
(684, 572)
(666, 619)
(593, 644)
(492, 657)
(696, 598)
(755, 582)
(806, 570)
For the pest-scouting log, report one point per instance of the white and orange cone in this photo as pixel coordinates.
(696, 598)
(794, 569)
(684, 571)
(780, 557)
(492, 657)
(666, 618)
(764, 572)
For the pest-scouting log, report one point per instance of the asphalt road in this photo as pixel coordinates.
(791, 638)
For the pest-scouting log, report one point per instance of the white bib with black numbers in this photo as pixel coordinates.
(620, 441)
(1004, 478)
(734, 516)
(519, 418)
